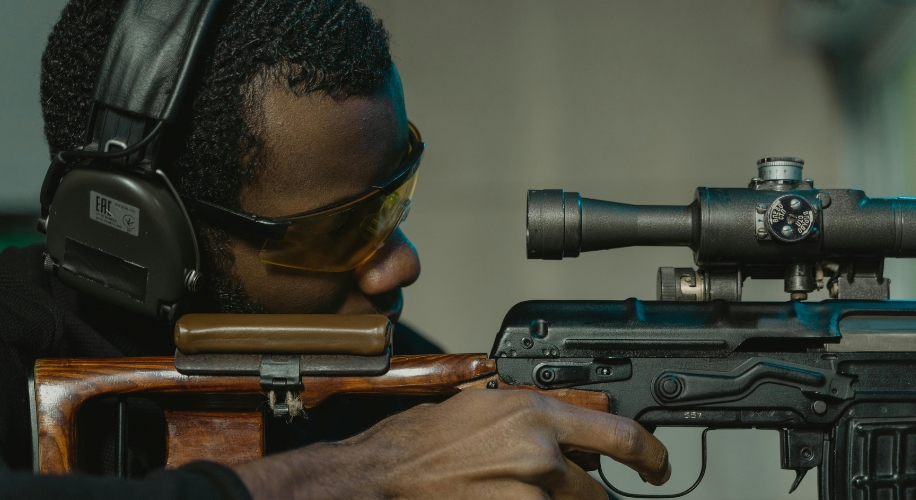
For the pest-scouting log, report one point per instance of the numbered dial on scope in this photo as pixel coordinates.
(790, 218)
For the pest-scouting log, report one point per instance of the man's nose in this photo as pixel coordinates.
(395, 264)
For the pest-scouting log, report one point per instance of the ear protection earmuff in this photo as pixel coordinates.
(116, 228)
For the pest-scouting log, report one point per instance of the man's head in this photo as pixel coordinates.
(298, 107)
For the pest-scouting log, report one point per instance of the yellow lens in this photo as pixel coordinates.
(341, 239)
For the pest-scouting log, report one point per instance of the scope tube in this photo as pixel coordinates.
(564, 224)
(856, 225)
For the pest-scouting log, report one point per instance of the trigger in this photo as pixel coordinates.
(799, 475)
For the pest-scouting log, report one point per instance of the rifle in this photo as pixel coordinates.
(836, 378)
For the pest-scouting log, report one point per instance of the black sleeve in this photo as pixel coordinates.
(29, 328)
(408, 341)
(197, 480)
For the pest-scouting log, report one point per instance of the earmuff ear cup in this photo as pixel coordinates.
(121, 237)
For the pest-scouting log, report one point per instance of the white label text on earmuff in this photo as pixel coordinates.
(114, 213)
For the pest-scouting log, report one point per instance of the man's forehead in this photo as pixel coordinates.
(317, 150)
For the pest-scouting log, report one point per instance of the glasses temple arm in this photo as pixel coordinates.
(274, 229)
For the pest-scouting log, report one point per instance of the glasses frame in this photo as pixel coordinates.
(275, 227)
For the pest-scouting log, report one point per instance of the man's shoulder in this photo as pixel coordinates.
(29, 312)
(27, 288)
(21, 268)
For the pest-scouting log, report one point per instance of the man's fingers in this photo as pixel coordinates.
(587, 461)
(620, 438)
(665, 477)
(499, 490)
(575, 484)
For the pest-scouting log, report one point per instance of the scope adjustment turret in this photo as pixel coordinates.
(780, 168)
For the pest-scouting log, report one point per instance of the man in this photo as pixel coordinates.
(299, 109)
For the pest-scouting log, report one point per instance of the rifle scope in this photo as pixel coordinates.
(780, 226)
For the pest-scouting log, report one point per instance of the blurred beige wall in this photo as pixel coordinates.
(632, 101)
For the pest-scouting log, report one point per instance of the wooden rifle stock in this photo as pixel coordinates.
(63, 385)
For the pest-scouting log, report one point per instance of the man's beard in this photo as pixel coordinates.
(223, 291)
(228, 295)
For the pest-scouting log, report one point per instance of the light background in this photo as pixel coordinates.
(633, 101)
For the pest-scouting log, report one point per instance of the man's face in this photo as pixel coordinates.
(317, 152)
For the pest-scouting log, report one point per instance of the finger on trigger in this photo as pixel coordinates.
(619, 438)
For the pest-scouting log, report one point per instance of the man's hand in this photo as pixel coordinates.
(478, 444)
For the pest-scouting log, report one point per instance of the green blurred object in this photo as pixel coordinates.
(19, 231)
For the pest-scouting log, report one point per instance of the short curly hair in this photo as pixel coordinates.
(332, 46)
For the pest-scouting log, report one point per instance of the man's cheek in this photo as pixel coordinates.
(286, 290)
(300, 292)
(357, 303)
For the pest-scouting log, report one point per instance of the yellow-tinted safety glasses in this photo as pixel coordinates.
(335, 238)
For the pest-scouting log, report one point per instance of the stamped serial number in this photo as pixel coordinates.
(693, 414)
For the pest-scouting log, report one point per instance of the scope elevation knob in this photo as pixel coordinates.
(780, 168)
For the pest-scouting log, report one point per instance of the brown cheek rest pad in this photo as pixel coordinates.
(356, 334)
